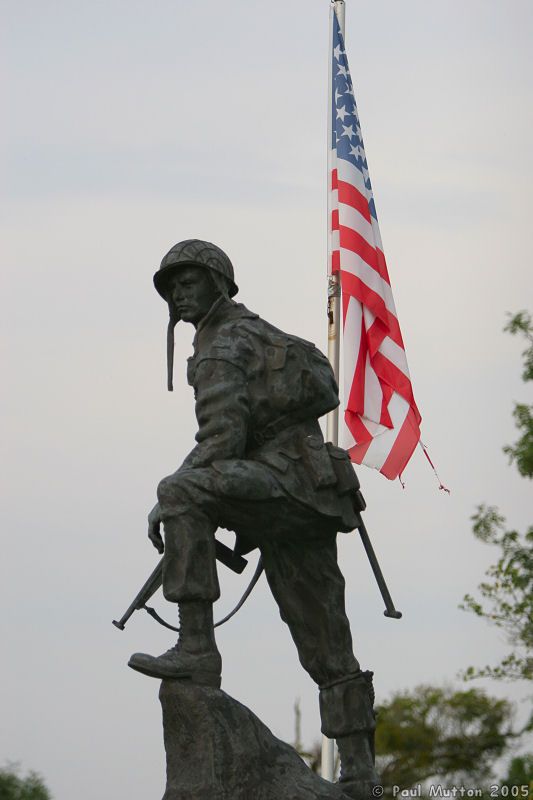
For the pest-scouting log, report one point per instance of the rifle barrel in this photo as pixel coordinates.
(390, 610)
(149, 588)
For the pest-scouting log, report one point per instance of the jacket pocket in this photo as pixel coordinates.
(347, 480)
(317, 462)
(277, 461)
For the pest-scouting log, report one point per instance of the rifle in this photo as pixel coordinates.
(390, 610)
(224, 554)
(237, 563)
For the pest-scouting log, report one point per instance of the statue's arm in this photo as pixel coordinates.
(222, 411)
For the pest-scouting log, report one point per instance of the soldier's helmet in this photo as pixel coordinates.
(198, 253)
(192, 252)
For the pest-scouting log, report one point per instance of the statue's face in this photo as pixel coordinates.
(192, 293)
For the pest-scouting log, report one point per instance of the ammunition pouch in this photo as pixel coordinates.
(347, 480)
(318, 463)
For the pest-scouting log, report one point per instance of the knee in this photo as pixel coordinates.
(187, 492)
(175, 488)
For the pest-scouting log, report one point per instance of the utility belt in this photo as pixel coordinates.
(327, 465)
(259, 437)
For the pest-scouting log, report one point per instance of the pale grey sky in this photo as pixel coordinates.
(130, 126)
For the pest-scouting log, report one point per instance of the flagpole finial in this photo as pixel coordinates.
(340, 11)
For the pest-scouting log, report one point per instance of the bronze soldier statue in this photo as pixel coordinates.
(260, 468)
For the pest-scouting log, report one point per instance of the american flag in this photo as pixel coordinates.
(382, 420)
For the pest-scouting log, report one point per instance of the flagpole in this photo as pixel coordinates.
(334, 307)
(334, 290)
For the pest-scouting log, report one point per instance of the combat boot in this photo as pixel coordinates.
(347, 713)
(195, 655)
(358, 775)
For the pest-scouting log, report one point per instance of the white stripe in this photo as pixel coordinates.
(374, 428)
(349, 174)
(333, 236)
(332, 196)
(355, 265)
(351, 336)
(347, 438)
(395, 354)
(382, 444)
(354, 220)
(384, 439)
(377, 234)
(373, 393)
(369, 317)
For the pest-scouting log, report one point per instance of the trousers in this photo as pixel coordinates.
(298, 547)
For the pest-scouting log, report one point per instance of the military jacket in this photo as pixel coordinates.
(258, 394)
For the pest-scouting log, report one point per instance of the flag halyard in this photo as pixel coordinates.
(382, 422)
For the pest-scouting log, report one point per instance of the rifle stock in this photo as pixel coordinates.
(224, 554)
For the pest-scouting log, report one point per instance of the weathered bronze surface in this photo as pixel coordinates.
(260, 468)
(231, 755)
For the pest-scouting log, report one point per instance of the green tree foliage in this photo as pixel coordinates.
(507, 594)
(440, 734)
(15, 787)
(522, 451)
(431, 734)
(520, 773)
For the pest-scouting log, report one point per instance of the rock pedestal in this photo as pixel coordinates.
(217, 749)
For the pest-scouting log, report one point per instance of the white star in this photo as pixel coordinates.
(342, 71)
(365, 173)
(337, 52)
(341, 113)
(348, 131)
(354, 151)
(338, 95)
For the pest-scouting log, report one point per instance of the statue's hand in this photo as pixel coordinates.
(154, 528)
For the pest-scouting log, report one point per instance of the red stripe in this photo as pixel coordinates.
(376, 333)
(382, 264)
(403, 447)
(351, 196)
(351, 240)
(345, 303)
(358, 452)
(432, 465)
(355, 287)
(391, 378)
(356, 399)
(357, 428)
(387, 393)
(390, 374)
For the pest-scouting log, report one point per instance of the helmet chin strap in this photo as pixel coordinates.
(173, 320)
(220, 284)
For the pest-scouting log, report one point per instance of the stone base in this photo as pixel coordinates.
(217, 749)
